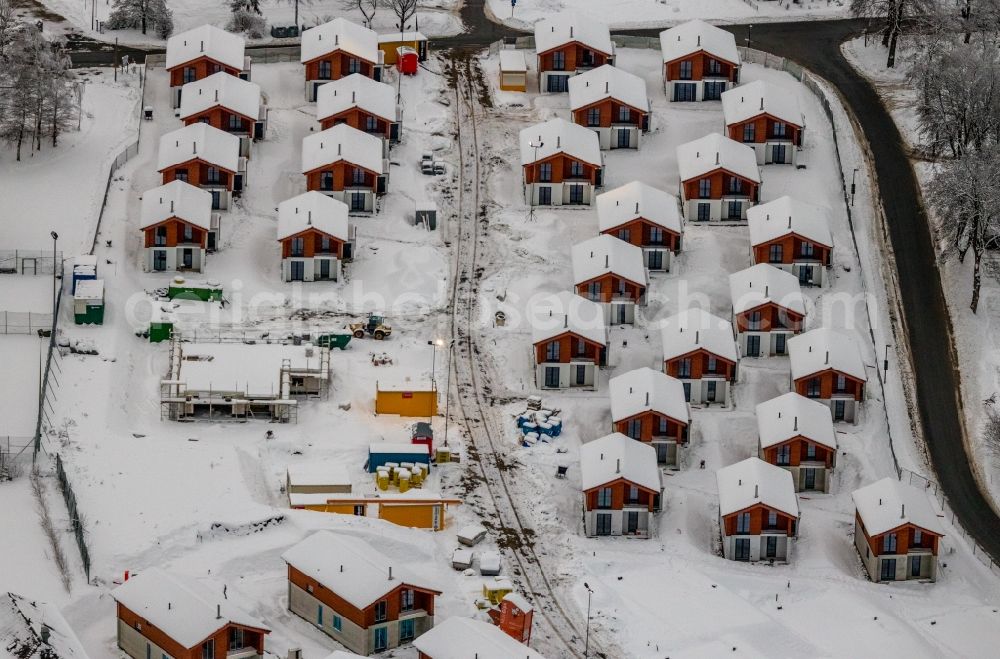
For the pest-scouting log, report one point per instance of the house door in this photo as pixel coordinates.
(753, 345)
(805, 275)
(778, 153)
(381, 640)
(810, 479)
(581, 375)
(771, 546)
(631, 522)
(552, 376)
(914, 566)
(661, 452)
(187, 257)
(558, 83)
(624, 138)
(576, 194)
(684, 91)
(839, 410)
(655, 260)
(687, 391)
(620, 314)
(779, 344)
(710, 391)
(713, 90)
(603, 524)
(888, 572)
(298, 271)
(159, 260)
(357, 201)
(545, 196)
(704, 212)
(742, 549)
(324, 269)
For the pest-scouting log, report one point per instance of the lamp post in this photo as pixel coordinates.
(447, 390)
(55, 264)
(399, 73)
(854, 176)
(534, 174)
(749, 32)
(586, 643)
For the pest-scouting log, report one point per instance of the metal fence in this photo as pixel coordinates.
(263, 55)
(22, 322)
(76, 522)
(28, 261)
(14, 456)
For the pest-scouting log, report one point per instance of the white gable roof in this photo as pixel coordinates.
(823, 349)
(763, 283)
(313, 210)
(644, 390)
(465, 638)
(513, 61)
(201, 141)
(888, 504)
(616, 456)
(696, 329)
(553, 315)
(339, 34)
(715, 151)
(754, 481)
(567, 27)
(603, 254)
(697, 35)
(759, 97)
(21, 622)
(607, 82)
(205, 41)
(176, 199)
(356, 91)
(560, 136)
(221, 89)
(786, 215)
(350, 567)
(791, 415)
(634, 200)
(342, 142)
(183, 608)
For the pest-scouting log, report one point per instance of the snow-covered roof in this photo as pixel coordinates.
(824, 349)
(344, 654)
(513, 60)
(754, 481)
(793, 415)
(518, 600)
(254, 370)
(787, 215)
(467, 638)
(21, 622)
(342, 142)
(205, 41)
(603, 254)
(201, 141)
(696, 329)
(182, 608)
(397, 447)
(313, 474)
(406, 35)
(356, 91)
(223, 90)
(607, 82)
(634, 200)
(764, 283)
(176, 199)
(888, 504)
(339, 34)
(616, 456)
(755, 98)
(645, 389)
(568, 27)
(695, 36)
(89, 289)
(313, 210)
(351, 568)
(556, 314)
(560, 136)
(715, 151)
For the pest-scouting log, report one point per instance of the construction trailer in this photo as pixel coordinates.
(420, 509)
(390, 44)
(406, 398)
(394, 454)
(239, 381)
(88, 301)
(84, 268)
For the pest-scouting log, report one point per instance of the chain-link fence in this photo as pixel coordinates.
(75, 519)
(15, 458)
(23, 322)
(28, 261)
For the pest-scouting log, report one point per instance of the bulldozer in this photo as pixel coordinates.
(374, 326)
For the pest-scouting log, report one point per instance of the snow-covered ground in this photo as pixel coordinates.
(975, 333)
(664, 13)
(435, 18)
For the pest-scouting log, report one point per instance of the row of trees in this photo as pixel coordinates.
(142, 15)
(38, 94)
(247, 15)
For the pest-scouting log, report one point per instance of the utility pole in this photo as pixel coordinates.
(749, 31)
(586, 643)
(55, 264)
(853, 185)
(116, 59)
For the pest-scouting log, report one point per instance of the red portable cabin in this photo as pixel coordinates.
(407, 60)
(423, 434)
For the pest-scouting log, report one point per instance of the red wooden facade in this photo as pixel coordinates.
(695, 364)
(638, 232)
(199, 174)
(572, 347)
(562, 170)
(798, 451)
(172, 234)
(764, 130)
(758, 521)
(575, 55)
(653, 426)
(791, 250)
(722, 186)
(905, 539)
(197, 69)
(223, 119)
(252, 637)
(703, 66)
(610, 113)
(358, 118)
(824, 385)
(342, 177)
(612, 287)
(514, 622)
(340, 65)
(772, 317)
(620, 491)
(312, 245)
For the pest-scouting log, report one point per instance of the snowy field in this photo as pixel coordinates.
(976, 335)
(664, 13)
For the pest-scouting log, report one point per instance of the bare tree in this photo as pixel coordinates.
(894, 13)
(366, 7)
(7, 23)
(296, 4)
(967, 200)
(404, 10)
(991, 432)
(140, 14)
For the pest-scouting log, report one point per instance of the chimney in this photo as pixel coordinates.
(739, 482)
(566, 322)
(789, 221)
(218, 611)
(169, 606)
(309, 220)
(902, 511)
(216, 95)
(761, 103)
(607, 85)
(796, 426)
(696, 333)
(647, 399)
(353, 95)
(756, 491)
(637, 208)
(558, 141)
(390, 573)
(203, 46)
(45, 633)
(341, 567)
(336, 40)
(716, 157)
(586, 84)
(607, 257)
(827, 357)
(602, 456)
(618, 466)
(766, 290)
(338, 149)
(194, 147)
(699, 41)
(570, 31)
(171, 205)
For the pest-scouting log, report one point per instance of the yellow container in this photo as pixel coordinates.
(382, 480)
(404, 480)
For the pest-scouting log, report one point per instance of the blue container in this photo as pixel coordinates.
(523, 419)
(383, 452)
(556, 424)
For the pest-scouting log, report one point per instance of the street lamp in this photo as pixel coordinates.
(534, 175)
(586, 643)
(399, 73)
(55, 264)
(749, 31)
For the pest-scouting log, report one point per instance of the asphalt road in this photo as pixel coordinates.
(816, 45)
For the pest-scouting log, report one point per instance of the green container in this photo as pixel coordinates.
(160, 332)
(333, 341)
(92, 315)
(203, 293)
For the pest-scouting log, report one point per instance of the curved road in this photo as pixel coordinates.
(816, 45)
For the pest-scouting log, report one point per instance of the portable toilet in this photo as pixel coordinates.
(423, 434)
(88, 302)
(407, 60)
(160, 331)
(84, 268)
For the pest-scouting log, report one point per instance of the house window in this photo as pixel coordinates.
(212, 174)
(889, 543)
(326, 181)
(841, 383)
(662, 425)
(624, 235)
(780, 128)
(545, 172)
(734, 210)
(575, 168)
(298, 246)
(806, 249)
(812, 388)
(160, 236)
(324, 244)
(353, 65)
(713, 364)
(325, 72)
(406, 600)
(655, 236)
(743, 523)
(772, 519)
(594, 291)
(810, 451)
(714, 68)
(749, 132)
(236, 638)
(784, 455)
(633, 494)
(190, 75)
(371, 124)
(188, 233)
(685, 70)
(735, 185)
(754, 321)
(558, 61)
(358, 176)
(603, 524)
(181, 175)
(380, 611)
(705, 188)
(775, 254)
(594, 117)
(624, 114)
(704, 212)
(918, 537)
(581, 348)
(604, 497)
(406, 630)
(235, 123)
(208, 650)
(684, 368)
(336, 622)
(214, 68)
(552, 351)
(634, 428)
